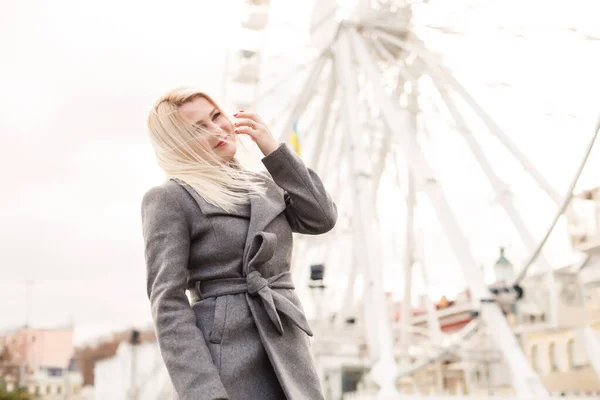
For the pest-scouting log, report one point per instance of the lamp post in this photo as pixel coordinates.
(317, 287)
(134, 341)
(24, 366)
(317, 274)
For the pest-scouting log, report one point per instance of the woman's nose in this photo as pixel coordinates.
(214, 128)
(225, 126)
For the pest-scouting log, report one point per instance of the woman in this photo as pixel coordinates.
(225, 234)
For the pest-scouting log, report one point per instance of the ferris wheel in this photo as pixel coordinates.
(371, 106)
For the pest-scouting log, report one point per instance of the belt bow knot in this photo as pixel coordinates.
(256, 283)
(275, 303)
(255, 286)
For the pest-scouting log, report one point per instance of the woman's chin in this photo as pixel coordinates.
(227, 152)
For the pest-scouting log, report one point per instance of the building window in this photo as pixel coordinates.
(552, 356)
(535, 364)
(576, 355)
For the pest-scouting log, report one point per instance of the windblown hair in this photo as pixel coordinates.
(181, 154)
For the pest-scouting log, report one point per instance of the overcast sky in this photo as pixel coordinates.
(77, 79)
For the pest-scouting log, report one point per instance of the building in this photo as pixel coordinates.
(40, 347)
(135, 371)
(562, 353)
(560, 358)
(550, 337)
(41, 360)
(584, 229)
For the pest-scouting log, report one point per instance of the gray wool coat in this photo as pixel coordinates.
(245, 336)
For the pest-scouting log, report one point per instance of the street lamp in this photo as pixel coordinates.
(504, 269)
(317, 286)
(317, 274)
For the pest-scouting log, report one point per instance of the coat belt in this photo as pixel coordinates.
(255, 286)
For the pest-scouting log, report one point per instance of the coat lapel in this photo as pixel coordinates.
(263, 211)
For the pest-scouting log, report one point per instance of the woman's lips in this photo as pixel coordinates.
(222, 142)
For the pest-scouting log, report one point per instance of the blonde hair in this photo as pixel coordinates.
(181, 155)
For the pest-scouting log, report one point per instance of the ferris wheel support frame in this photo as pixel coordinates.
(490, 309)
(433, 322)
(499, 186)
(525, 381)
(384, 369)
(441, 78)
(501, 189)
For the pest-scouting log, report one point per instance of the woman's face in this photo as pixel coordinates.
(203, 113)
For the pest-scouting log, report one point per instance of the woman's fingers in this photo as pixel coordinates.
(246, 130)
(248, 115)
(252, 125)
(246, 122)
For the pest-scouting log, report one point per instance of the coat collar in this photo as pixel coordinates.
(263, 210)
(209, 209)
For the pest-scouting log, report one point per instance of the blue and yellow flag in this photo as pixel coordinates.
(294, 141)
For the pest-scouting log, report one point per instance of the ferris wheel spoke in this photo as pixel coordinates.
(502, 190)
(390, 59)
(294, 72)
(525, 380)
(304, 97)
(324, 118)
(440, 74)
(482, 114)
(334, 141)
(325, 18)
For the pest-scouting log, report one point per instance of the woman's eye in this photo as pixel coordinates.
(217, 115)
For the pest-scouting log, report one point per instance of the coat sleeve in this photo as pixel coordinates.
(310, 209)
(182, 344)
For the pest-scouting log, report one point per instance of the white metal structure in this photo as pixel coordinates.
(366, 99)
(243, 64)
(135, 372)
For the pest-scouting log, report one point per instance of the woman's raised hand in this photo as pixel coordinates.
(248, 123)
